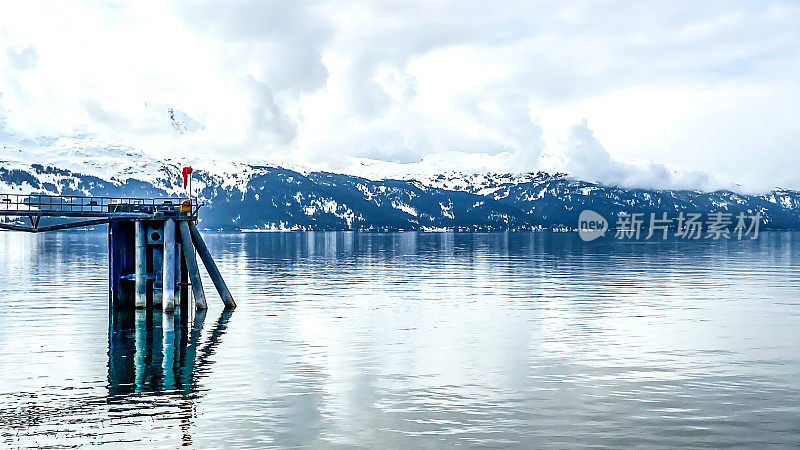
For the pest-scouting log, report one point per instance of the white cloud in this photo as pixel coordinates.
(709, 87)
(588, 160)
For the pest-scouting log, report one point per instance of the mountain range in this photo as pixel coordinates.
(252, 196)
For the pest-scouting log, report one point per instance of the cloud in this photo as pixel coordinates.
(587, 159)
(277, 42)
(265, 114)
(22, 59)
(677, 84)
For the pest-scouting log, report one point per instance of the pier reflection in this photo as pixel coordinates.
(153, 352)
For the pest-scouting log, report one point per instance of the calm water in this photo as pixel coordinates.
(410, 340)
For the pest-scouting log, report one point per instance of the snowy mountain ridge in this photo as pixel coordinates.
(270, 197)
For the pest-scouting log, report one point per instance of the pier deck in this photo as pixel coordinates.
(101, 209)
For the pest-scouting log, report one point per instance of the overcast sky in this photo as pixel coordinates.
(658, 93)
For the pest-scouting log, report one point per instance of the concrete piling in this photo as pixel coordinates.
(168, 284)
(140, 275)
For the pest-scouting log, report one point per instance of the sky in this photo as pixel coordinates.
(665, 94)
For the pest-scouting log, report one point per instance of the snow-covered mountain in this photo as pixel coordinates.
(253, 196)
(179, 120)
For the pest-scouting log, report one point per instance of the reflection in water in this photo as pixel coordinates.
(409, 340)
(152, 352)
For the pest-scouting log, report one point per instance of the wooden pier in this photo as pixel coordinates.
(152, 243)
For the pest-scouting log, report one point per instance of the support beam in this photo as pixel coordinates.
(211, 267)
(34, 221)
(62, 226)
(191, 266)
(12, 227)
(140, 294)
(168, 284)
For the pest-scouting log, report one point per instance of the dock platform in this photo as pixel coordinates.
(152, 243)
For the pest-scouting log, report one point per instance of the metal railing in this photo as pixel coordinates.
(71, 204)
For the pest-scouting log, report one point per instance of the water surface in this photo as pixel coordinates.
(402, 340)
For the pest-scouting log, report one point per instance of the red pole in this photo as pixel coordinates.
(187, 177)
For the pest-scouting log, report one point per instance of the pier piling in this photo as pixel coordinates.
(211, 267)
(141, 264)
(191, 266)
(168, 285)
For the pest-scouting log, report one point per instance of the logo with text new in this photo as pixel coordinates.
(591, 225)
